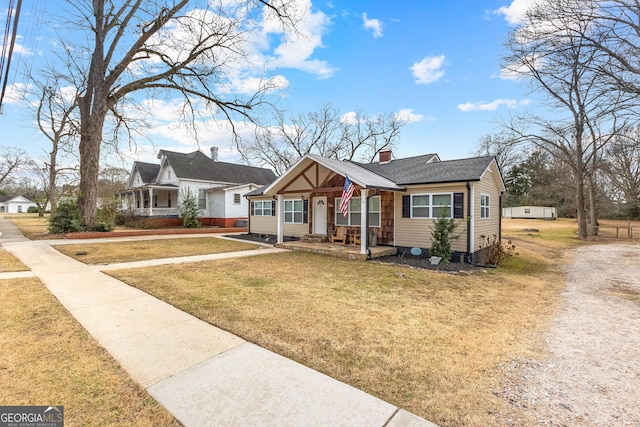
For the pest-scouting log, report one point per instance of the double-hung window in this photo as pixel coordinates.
(431, 205)
(262, 208)
(354, 213)
(484, 206)
(293, 211)
(202, 199)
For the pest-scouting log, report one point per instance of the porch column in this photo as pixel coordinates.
(363, 221)
(280, 217)
(150, 201)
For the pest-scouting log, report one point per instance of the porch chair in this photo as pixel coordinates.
(340, 235)
(354, 238)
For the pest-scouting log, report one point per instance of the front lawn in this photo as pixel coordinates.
(428, 342)
(8, 262)
(47, 358)
(140, 250)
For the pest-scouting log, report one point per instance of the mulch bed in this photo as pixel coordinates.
(424, 263)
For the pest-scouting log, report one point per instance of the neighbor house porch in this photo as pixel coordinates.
(151, 200)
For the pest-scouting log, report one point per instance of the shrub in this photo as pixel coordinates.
(66, 219)
(106, 216)
(494, 251)
(189, 211)
(442, 236)
(33, 209)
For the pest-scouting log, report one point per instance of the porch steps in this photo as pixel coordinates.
(315, 238)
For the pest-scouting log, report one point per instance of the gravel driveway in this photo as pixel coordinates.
(592, 374)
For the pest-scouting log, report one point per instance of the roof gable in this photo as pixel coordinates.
(148, 171)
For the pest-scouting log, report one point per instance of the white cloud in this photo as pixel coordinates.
(429, 70)
(16, 92)
(372, 24)
(492, 106)
(296, 49)
(514, 13)
(351, 117)
(409, 116)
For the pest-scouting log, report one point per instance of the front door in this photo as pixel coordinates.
(319, 215)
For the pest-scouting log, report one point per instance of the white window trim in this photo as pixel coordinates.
(237, 198)
(485, 207)
(203, 200)
(293, 212)
(262, 208)
(431, 205)
(338, 213)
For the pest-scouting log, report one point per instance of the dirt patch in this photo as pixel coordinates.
(591, 376)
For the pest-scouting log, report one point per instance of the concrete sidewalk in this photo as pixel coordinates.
(201, 374)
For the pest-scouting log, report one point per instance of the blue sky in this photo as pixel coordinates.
(435, 63)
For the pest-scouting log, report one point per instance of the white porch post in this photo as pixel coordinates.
(363, 221)
(280, 217)
(150, 201)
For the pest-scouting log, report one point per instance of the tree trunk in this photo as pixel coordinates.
(53, 190)
(580, 206)
(90, 143)
(593, 207)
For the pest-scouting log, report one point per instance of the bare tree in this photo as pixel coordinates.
(505, 146)
(583, 113)
(623, 170)
(326, 132)
(188, 47)
(57, 122)
(12, 160)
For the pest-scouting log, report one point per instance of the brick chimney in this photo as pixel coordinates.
(385, 156)
(214, 154)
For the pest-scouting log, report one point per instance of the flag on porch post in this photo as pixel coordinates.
(347, 193)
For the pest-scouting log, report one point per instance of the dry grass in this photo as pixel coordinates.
(10, 263)
(104, 253)
(31, 225)
(47, 358)
(428, 342)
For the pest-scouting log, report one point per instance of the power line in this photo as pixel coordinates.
(6, 56)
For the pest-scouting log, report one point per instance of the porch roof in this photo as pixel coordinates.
(152, 186)
(357, 174)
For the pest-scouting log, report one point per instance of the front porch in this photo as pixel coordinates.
(338, 250)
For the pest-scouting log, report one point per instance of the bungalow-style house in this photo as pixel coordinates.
(15, 204)
(156, 190)
(404, 196)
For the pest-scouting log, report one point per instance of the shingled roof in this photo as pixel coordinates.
(419, 170)
(199, 166)
(148, 171)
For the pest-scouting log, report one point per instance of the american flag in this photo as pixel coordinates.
(347, 193)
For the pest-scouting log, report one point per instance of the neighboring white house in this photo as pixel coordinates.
(15, 204)
(532, 212)
(156, 190)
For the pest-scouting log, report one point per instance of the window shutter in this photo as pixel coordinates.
(406, 206)
(252, 208)
(273, 208)
(305, 211)
(458, 205)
